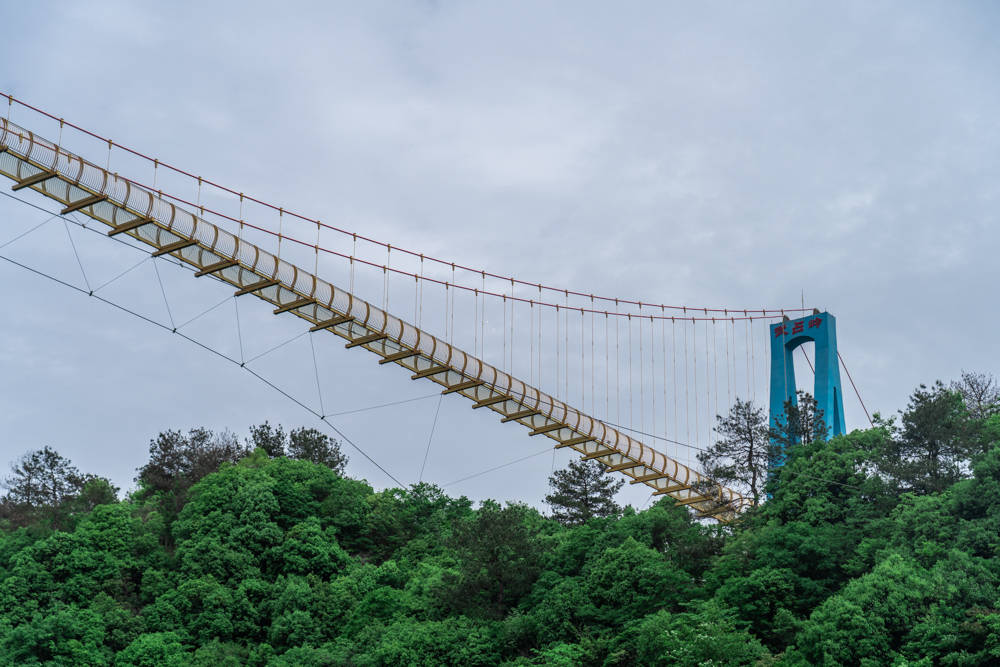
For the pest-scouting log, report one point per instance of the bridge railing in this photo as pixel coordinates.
(129, 208)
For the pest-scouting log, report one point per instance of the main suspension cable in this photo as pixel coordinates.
(282, 212)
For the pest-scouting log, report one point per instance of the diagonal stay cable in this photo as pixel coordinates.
(384, 405)
(208, 348)
(325, 418)
(30, 230)
(430, 438)
(122, 274)
(244, 364)
(50, 277)
(276, 347)
(205, 312)
(319, 387)
(121, 240)
(79, 262)
(495, 468)
(164, 293)
(241, 364)
(655, 437)
(350, 442)
(239, 330)
(294, 400)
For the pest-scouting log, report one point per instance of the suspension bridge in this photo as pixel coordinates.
(601, 375)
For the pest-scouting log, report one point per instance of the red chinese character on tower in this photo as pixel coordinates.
(815, 322)
(798, 327)
(781, 330)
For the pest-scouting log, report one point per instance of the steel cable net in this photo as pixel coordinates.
(26, 154)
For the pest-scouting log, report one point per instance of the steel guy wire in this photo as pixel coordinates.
(215, 352)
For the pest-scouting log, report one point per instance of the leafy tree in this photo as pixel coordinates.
(269, 518)
(419, 516)
(934, 443)
(308, 444)
(706, 635)
(286, 562)
(66, 635)
(904, 610)
(220, 654)
(308, 549)
(95, 491)
(306, 656)
(581, 492)
(741, 455)
(563, 655)
(824, 524)
(269, 438)
(156, 649)
(499, 553)
(980, 392)
(632, 580)
(452, 641)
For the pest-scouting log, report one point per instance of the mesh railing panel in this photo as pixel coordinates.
(78, 178)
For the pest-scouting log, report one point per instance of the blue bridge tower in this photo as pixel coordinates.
(821, 329)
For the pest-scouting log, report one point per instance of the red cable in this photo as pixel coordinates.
(449, 284)
(808, 360)
(480, 272)
(848, 377)
(856, 393)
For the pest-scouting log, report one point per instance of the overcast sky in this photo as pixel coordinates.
(729, 154)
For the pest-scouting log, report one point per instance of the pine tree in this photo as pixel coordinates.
(43, 478)
(46, 485)
(803, 421)
(581, 492)
(741, 455)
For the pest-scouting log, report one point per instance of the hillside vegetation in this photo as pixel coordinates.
(875, 548)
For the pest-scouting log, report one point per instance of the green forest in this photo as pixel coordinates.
(880, 547)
